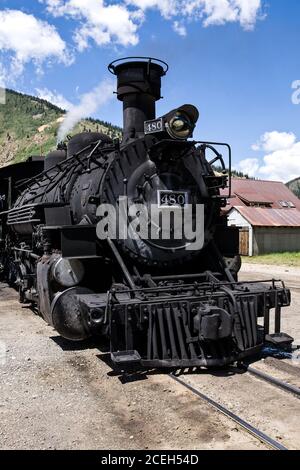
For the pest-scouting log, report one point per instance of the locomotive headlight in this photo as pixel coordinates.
(180, 127)
(181, 122)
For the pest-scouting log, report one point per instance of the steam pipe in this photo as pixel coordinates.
(137, 108)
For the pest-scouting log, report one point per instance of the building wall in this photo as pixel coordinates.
(264, 240)
(235, 219)
(275, 240)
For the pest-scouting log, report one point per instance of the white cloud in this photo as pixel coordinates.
(179, 28)
(249, 166)
(249, 12)
(245, 12)
(89, 104)
(167, 8)
(118, 22)
(272, 141)
(210, 12)
(54, 97)
(25, 38)
(104, 24)
(282, 163)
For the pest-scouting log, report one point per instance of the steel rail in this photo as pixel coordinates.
(272, 380)
(259, 435)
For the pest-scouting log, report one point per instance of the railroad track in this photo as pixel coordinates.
(253, 431)
(272, 380)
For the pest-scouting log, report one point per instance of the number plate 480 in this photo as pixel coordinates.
(151, 127)
(173, 199)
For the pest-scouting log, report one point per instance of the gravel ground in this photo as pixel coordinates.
(291, 277)
(54, 395)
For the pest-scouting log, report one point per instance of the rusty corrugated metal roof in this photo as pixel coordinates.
(249, 198)
(260, 217)
(256, 191)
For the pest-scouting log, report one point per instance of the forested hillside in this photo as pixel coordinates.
(29, 125)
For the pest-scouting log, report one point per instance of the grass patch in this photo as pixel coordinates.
(286, 259)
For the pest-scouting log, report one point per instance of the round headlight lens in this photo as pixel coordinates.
(180, 127)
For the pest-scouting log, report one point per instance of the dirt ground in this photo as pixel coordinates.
(291, 277)
(54, 395)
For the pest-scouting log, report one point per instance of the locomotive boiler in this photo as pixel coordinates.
(126, 238)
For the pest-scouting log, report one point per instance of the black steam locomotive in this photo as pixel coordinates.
(163, 301)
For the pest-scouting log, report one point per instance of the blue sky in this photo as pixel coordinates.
(236, 62)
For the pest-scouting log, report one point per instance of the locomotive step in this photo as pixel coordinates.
(281, 340)
(126, 357)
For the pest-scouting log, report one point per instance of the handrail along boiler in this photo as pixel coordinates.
(160, 303)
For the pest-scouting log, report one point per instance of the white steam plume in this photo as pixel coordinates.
(89, 104)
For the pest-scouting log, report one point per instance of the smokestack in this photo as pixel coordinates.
(139, 87)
